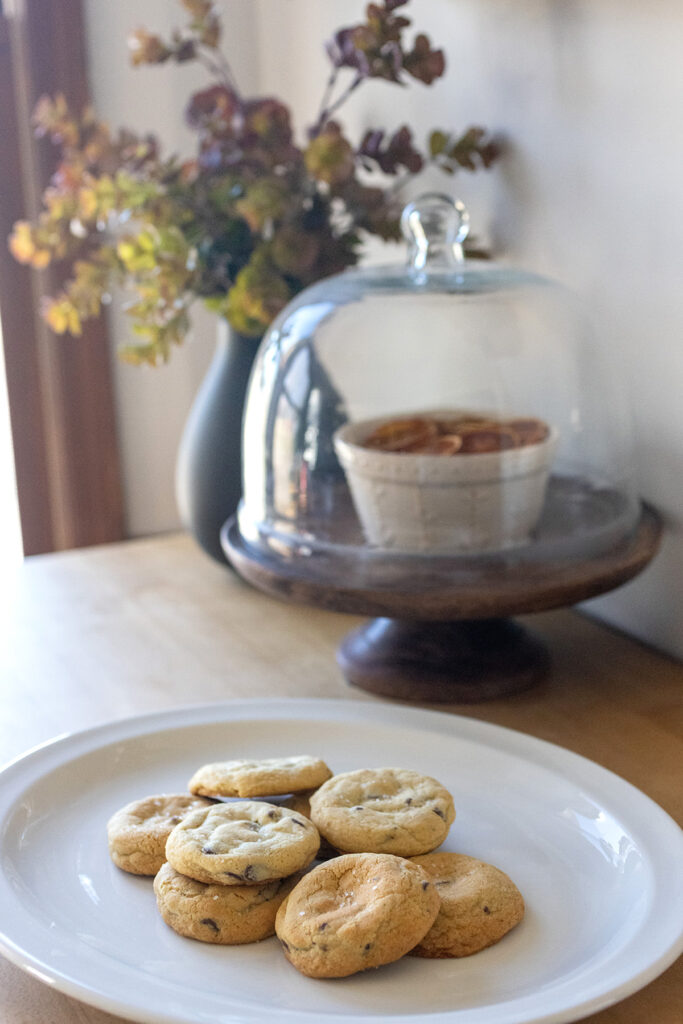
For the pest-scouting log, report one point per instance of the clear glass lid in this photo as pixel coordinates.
(448, 408)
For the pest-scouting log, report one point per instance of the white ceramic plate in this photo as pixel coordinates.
(597, 861)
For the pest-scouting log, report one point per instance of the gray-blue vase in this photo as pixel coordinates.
(209, 466)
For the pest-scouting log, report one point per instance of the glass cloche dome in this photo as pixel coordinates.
(442, 409)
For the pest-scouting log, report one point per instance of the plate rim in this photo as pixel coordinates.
(126, 727)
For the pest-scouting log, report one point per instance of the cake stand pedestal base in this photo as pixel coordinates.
(446, 635)
(455, 662)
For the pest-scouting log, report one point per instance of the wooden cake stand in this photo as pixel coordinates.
(441, 629)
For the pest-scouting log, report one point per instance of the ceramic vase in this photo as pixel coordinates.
(209, 464)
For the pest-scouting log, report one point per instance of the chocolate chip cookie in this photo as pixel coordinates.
(138, 832)
(242, 843)
(272, 777)
(227, 915)
(383, 810)
(479, 905)
(354, 912)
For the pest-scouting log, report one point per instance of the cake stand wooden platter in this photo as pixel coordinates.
(441, 627)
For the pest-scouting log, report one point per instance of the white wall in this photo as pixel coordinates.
(589, 95)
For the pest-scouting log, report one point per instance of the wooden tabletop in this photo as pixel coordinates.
(90, 636)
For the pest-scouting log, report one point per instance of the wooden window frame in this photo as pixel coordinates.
(60, 390)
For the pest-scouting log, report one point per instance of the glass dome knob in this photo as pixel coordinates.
(435, 226)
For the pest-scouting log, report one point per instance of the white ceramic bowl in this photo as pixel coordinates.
(438, 504)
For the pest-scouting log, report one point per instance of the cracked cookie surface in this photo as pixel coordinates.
(137, 833)
(271, 777)
(240, 843)
(383, 810)
(357, 911)
(479, 905)
(226, 915)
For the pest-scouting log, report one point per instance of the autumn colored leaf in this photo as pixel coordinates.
(146, 48)
(469, 151)
(62, 316)
(258, 295)
(21, 243)
(329, 157)
(213, 110)
(294, 251)
(424, 63)
(264, 200)
(268, 120)
(398, 152)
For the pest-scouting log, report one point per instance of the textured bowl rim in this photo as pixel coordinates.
(351, 449)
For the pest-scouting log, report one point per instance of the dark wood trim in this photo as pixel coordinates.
(17, 305)
(60, 389)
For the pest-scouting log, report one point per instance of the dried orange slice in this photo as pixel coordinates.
(402, 435)
(489, 439)
(530, 430)
(463, 423)
(447, 444)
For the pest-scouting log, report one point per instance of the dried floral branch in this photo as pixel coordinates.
(252, 217)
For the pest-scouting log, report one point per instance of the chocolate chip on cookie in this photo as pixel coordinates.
(242, 843)
(354, 912)
(383, 810)
(479, 905)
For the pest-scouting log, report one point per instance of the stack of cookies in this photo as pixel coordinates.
(234, 871)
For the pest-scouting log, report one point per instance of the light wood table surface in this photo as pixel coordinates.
(95, 635)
